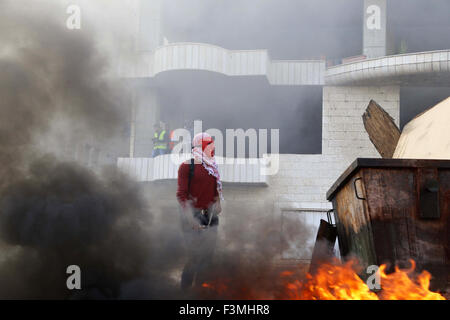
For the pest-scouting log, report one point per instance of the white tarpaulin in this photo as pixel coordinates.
(427, 136)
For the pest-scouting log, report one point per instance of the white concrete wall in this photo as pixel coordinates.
(343, 135)
(303, 180)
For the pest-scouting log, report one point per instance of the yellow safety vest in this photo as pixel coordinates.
(160, 144)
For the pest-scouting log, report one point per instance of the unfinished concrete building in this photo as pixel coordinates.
(169, 77)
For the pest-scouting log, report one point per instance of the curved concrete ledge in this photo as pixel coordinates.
(422, 68)
(200, 56)
(163, 168)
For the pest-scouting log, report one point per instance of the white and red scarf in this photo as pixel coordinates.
(209, 163)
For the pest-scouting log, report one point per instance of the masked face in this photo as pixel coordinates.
(208, 147)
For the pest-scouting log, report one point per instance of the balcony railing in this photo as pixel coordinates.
(207, 57)
(248, 171)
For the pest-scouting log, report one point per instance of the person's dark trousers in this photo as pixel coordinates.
(200, 245)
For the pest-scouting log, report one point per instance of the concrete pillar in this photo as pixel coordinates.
(150, 25)
(344, 137)
(145, 114)
(374, 28)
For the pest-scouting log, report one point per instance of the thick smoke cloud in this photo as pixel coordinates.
(54, 212)
(56, 93)
(289, 29)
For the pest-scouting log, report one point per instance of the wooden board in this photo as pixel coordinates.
(324, 245)
(382, 130)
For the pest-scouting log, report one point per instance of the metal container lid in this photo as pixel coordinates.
(382, 163)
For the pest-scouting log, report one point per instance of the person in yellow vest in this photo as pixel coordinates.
(160, 139)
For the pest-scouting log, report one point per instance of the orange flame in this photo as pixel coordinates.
(398, 285)
(331, 282)
(218, 287)
(336, 281)
(340, 282)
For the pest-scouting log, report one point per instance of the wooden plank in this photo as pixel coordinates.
(382, 130)
(323, 248)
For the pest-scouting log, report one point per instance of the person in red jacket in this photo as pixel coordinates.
(199, 193)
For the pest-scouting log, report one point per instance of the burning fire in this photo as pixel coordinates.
(335, 281)
(217, 287)
(340, 282)
(332, 282)
(398, 286)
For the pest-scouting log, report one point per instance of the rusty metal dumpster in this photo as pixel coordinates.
(393, 210)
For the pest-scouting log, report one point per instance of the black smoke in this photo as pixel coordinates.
(55, 93)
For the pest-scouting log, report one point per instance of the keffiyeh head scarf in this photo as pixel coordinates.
(199, 143)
